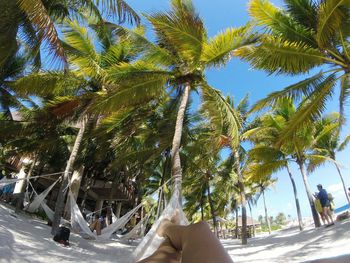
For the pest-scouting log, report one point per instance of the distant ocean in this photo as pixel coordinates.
(342, 209)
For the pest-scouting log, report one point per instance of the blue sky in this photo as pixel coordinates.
(238, 79)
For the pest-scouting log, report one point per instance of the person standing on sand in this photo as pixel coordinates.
(319, 208)
(323, 197)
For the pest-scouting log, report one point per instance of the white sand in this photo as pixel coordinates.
(24, 239)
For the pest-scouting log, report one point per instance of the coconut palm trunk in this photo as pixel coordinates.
(251, 216)
(24, 185)
(59, 207)
(342, 181)
(300, 221)
(175, 151)
(243, 197)
(266, 215)
(309, 195)
(212, 210)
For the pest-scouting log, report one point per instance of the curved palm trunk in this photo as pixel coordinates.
(212, 210)
(342, 181)
(175, 151)
(309, 196)
(300, 220)
(75, 183)
(243, 197)
(266, 215)
(59, 207)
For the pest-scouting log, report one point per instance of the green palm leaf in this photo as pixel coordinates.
(277, 55)
(218, 50)
(310, 109)
(222, 115)
(180, 30)
(39, 16)
(331, 15)
(48, 83)
(343, 145)
(294, 92)
(267, 15)
(85, 56)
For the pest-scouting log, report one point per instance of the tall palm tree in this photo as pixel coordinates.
(296, 149)
(302, 36)
(229, 123)
(179, 58)
(267, 157)
(85, 90)
(36, 20)
(328, 144)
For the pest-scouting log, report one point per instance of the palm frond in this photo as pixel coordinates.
(344, 143)
(222, 115)
(303, 11)
(265, 154)
(218, 50)
(316, 161)
(277, 55)
(259, 172)
(87, 59)
(267, 15)
(39, 16)
(48, 83)
(131, 93)
(149, 51)
(121, 9)
(181, 30)
(294, 92)
(330, 17)
(133, 71)
(310, 109)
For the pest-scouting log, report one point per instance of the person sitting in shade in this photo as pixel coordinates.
(323, 197)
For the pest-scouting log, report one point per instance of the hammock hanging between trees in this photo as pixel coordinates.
(80, 226)
(39, 200)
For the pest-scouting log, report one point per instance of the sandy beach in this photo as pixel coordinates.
(26, 239)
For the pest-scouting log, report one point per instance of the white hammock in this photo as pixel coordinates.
(48, 211)
(5, 181)
(139, 230)
(151, 242)
(80, 226)
(39, 199)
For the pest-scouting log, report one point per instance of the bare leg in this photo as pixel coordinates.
(96, 225)
(327, 215)
(166, 253)
(322, 217)
(197, 243)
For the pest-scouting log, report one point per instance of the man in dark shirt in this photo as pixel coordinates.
(323, 197)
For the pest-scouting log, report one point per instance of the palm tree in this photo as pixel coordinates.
(84, 91)
(266, 156)
(296, 149)
(328, 144)
(13, 70)
(36, 20)
(303, 36)
(179, 58)
(228, 124)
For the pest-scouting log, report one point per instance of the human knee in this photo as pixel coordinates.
(202, 225)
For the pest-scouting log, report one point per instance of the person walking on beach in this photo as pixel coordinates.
(323, 197)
